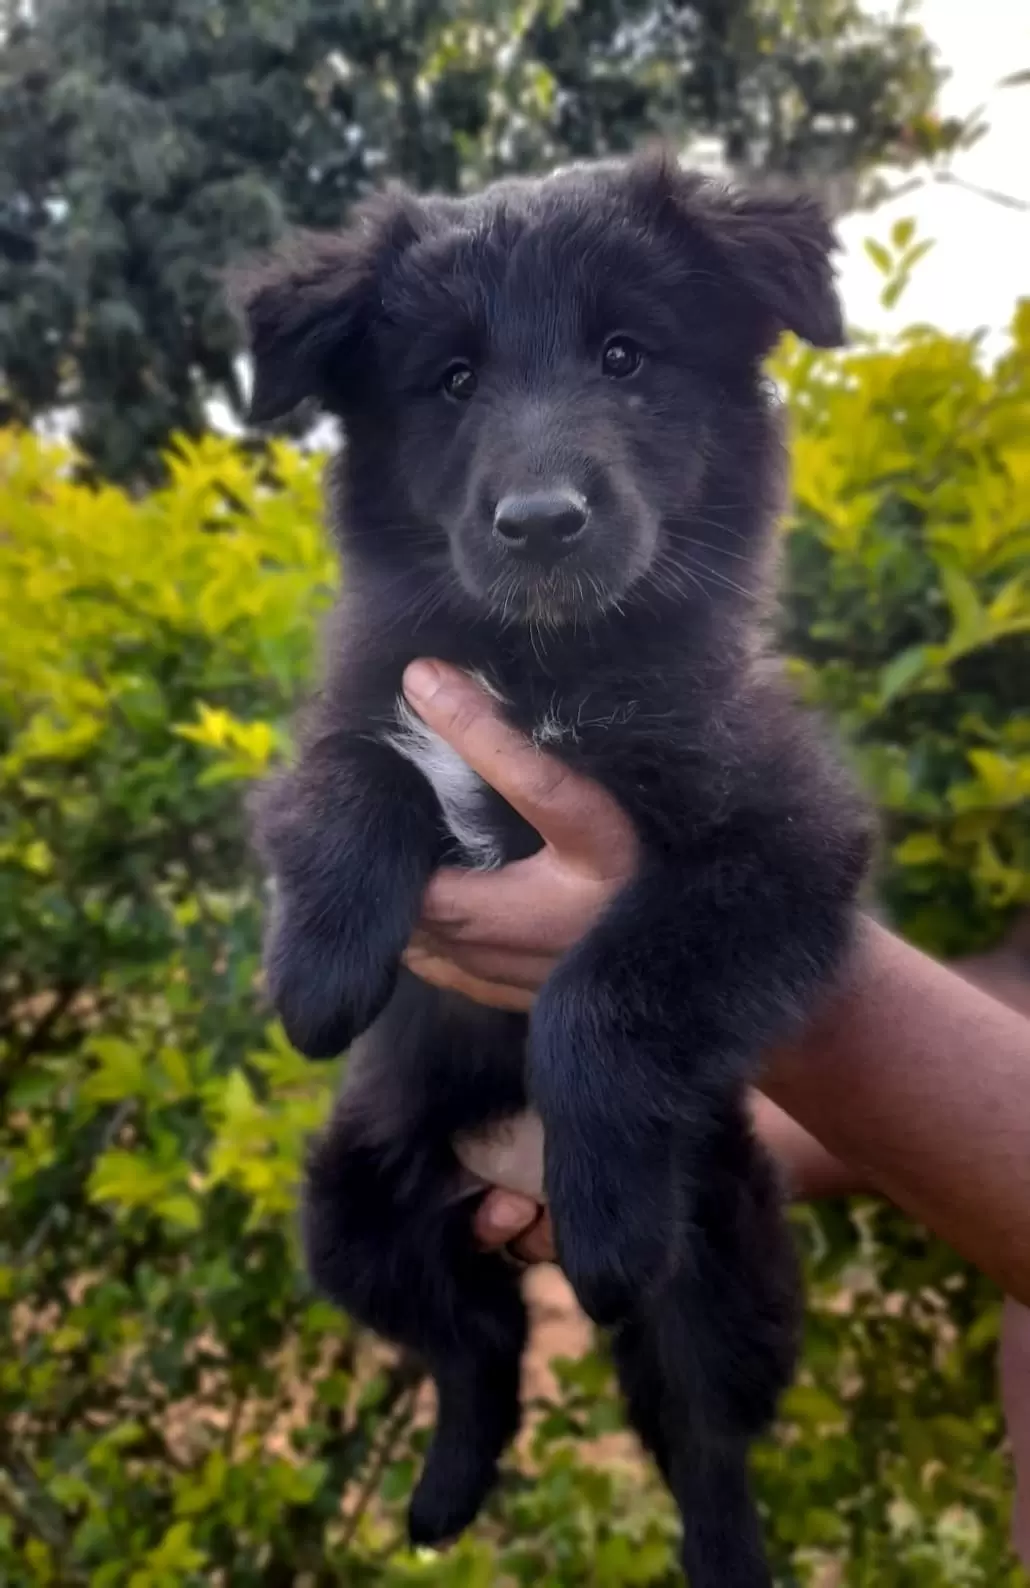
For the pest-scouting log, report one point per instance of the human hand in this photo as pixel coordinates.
(510, 1160)
(496, 936)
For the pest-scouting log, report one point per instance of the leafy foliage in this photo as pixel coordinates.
(909, 611)
(175, 1408)
(144, 143)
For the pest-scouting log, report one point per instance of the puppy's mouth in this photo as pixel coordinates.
(549, 597)
(550, 559)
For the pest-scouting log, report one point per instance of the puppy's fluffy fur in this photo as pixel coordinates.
(561, 472)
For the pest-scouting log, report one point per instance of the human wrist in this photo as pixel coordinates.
(802, 1081)
(809, 1171)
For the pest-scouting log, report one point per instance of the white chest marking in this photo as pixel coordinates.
(460, 791)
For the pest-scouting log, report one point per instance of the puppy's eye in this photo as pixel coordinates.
(621, 358)
(459, 381)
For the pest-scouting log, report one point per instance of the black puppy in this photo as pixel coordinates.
(561, 472)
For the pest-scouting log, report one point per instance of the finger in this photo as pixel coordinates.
(443, 973)
(507, 967)
(567, 810)
(531, 906)
(537, 1244)
(502, 1216)
(456, 898)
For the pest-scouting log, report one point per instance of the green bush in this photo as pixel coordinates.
(908, 612)
(175, 1407)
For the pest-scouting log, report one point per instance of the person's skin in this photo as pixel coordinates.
(911, 1075)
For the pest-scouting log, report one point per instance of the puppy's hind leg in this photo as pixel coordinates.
(478, 1414)
(704, 1361)
(387, 1243)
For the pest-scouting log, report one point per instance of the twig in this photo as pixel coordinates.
(1022, 206)
(949, 179)
(385, 1449)
(111, 1130)
(23, 1050)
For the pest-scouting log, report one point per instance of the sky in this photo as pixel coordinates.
(980, 263)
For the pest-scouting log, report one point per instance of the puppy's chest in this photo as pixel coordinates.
(486, 832)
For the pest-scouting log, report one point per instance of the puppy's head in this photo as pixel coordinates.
(541, 383)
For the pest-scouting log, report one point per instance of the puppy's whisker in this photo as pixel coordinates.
(718, 551)
(716, 576)
(425, 604)
(666, 576)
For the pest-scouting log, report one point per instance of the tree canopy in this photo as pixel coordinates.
(146, 143)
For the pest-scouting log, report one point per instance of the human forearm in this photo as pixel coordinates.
(921, 1081)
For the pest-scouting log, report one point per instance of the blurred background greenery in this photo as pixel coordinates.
(175, 1407)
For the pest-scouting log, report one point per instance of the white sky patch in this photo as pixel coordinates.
(980, 264)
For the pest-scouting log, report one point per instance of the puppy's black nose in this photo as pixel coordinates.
(543, 525)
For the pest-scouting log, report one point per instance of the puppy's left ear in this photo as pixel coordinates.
(769, 251)
(780, 247)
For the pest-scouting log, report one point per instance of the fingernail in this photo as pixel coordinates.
(504, 1215)
(422, 680)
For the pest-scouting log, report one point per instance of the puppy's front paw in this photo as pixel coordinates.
(326, 988)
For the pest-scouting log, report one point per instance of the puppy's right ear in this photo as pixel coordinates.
(309, 307)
